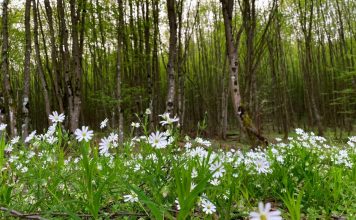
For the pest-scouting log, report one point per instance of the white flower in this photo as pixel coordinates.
(353, 139)
(262, 165)
(2, 126)
(137, 167)
(104, 147)
(13, 159)
(24, 169)
(131, 197)
(167, 120)
(15, 140)
(9, 148)
(280, 159)
(31, 154)
(158, 140)
(177, 202)
(55, 118)
(208, 207)
(52, 140)
(104, 123)
(135, 124)
(299, 131)
(51, 129)
(215, 182)
(351, 144)
(83, 134)
(202, 142)
(194, 173)
(148, 111)
(199, 151)
(188, 145)
(30, 137)
(218, 169)
(264, 213)
(113, 137)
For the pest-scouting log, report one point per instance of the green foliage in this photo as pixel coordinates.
(307, 177)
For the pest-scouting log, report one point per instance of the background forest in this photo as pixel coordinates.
(126, 95)
(96, 59)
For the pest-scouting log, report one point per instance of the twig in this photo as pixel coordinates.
(38, 215)
(111, 216)
(21, 215)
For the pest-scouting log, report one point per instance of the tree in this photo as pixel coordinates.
(8, 91)
(120, 32)
(27, 70)
(232, 53)
(172, 18)
(40, 70)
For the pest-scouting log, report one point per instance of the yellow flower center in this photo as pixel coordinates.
(263, 217)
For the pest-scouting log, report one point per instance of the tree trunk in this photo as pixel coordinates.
(27, 71)
(56, 71)
(148, 62)
(172, 17)
(74, 107)
(306, 24)
(239, 111)
(8, 92)
(39, 60)
(65, 61)
(118, 70)
(155, 61)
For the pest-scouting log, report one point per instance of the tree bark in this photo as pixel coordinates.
(120, 32)
(239, 111)
(172, 18)
(8, 92)
(56, 71)
(27, 71)
(75, 106)
(39, 60)
(155, 61)
(64, 63)
(148, 62)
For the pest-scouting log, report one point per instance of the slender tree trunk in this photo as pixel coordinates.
(74, 107)
(27, 71)
(284, 91)
(224, 102)
(306, 26)
(148, 61)
(227, 7)
(180, 89)
(39, 60)
(155, 61)
(65, 61)
(172, 17)
(56, 71)
(118, 70)
(8, 92)
(239, 111)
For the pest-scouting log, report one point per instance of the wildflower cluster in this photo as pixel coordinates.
(158, 172)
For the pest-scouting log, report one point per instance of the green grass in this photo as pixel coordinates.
(304, 178)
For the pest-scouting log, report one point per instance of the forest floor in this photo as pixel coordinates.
(159, 176)
(234, 141)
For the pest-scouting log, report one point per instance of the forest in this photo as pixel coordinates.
(191, 100)
(294, 63)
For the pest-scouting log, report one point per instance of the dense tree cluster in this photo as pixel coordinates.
(283, 63)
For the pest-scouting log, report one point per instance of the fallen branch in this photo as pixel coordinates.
(22, 215)
(38, 215)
